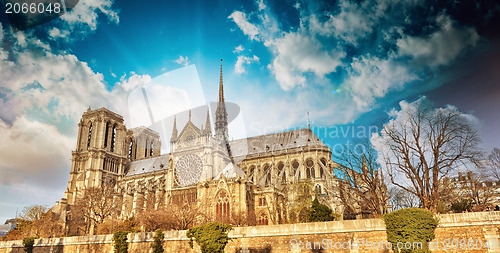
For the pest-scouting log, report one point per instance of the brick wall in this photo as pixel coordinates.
(453, 232)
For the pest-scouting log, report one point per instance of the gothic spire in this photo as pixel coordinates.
(221, 113)
(208, 127)
(221, 88)
(174, 131)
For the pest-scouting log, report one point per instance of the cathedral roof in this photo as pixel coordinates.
(275, 142)
(231, 171)
(148, 165)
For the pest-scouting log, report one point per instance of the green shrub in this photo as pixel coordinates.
(28, 243)
(212, 237)
(120, 238)
(319, 212)
(158, 240)
(414, 226)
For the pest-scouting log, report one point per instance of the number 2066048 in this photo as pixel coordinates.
(32, 8)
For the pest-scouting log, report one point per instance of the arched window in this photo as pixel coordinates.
(267, 175)
(262, 220)
(151, 149)
(90, 135)
(106, 135)
(251, 173)
(322, 169)
(130, 149)
(281, 172)
(135, 150)
(310, 168)
(318, 189)
(146, 148)
(105, 164)
(295, 169)
(222, 209)
(113, 138)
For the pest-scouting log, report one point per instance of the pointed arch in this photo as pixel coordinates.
(281, 172)
(295, 169)
(130, 149)
(151, 148)
(89, 135)
(266, 175)
(222, 207)
(251, 173)
(310, 173)
(106, 133)
(146, 148)
(322, 168)
(113, 138)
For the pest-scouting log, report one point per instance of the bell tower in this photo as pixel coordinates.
(101, 152)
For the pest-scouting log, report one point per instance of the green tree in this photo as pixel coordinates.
(301, 199)
(212, 237)
(158, 240)
(415, 226)
(121, 245)
(319, 212)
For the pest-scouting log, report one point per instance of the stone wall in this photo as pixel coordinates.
(454, 231)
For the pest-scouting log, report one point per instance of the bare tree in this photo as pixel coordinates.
(399, 199)
(361, 186)
(95, 206)
(152, 220)
(184, 216)
(494, 163)
(474, 187)
(422, 146)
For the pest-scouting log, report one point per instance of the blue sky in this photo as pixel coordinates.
(347, 63)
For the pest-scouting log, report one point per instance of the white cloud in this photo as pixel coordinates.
(441, 47)
(371, 78)
(239, 67)
(261, 5)
(349, 25)
(238, 49)
(86, 12)
(297, 54)
(33, 152)
(248, 28)
(133, 81)
(55, 33)
(182, 60)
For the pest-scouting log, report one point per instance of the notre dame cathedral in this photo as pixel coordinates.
(251, 176)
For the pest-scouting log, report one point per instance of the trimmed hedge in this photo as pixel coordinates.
(212, 237)
(412, 226)
(158, 241)
(120, 238)
(28, 243)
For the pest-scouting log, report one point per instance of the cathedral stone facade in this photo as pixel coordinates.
(248, 177)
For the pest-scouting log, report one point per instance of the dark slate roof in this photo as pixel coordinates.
(148, 165)
(275, 142)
